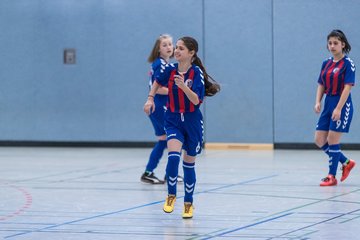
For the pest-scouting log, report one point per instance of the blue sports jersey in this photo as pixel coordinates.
(157, 67)
(334, 75)
(178, 102)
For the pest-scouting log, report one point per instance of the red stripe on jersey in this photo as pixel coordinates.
(336, 78)
(191, 76)
(181, 100)
(171, 95)
(322, 72)
(327, 77)
(342, 82)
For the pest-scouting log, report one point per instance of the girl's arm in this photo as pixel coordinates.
(193, 97)
(149, 105)
(163, 91)
(319, 95)
(344, 96)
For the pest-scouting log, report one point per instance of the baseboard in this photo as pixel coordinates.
(239, 146)
(76, 144)
(127, 144)
(310, 146)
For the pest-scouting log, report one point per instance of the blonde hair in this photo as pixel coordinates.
(155, 52)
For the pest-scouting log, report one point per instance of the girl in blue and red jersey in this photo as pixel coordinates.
(336, 79)
(188, 83)
(160, 55)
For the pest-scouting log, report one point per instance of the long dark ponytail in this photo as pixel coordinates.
(211, 86)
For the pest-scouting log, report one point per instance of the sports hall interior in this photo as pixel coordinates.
(74, 139)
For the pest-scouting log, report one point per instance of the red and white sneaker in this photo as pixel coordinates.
(346, 169)
(330, 180)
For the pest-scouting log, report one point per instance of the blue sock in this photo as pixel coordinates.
(156, 155)
(334, 153)
(325, 148)
(342, 158)
(172, 170)
(189, 181)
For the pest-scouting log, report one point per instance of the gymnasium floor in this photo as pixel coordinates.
(95, 194)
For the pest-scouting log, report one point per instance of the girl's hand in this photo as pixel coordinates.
(149, 106)
(179, 81)
(336, 114)
(317, 107)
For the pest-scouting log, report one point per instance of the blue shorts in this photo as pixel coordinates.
(325, 122)
(158, 116)
(188, 128)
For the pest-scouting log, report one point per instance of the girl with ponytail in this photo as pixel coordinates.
(337, 77)
(188, 83)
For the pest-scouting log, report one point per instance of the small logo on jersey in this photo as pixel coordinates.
(335, 70)
(189, 83)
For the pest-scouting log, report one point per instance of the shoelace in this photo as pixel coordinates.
(187, 208)
(327, 179)
(170, 200)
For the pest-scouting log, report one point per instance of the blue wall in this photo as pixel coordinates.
(266, 54)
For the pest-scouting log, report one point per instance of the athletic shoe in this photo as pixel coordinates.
(188, 210)
(169, 203)
(180, 179)
(150, 178)
(330, 180)
(346, 169)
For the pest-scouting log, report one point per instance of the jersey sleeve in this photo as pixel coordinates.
(154, 69)
(199, 84)
(349, 72)
(320, 81)
(158, 67)
(163, 75)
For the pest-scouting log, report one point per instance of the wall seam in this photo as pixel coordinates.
(204, 61)
(273, 70)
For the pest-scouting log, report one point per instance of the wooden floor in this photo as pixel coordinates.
(95, 193)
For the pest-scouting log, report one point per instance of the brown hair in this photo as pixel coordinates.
(211, 86)
(155, 52)
(341, 36)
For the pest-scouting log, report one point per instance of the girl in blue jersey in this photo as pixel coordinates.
(188, 83)
(160, 55)
(336, 79)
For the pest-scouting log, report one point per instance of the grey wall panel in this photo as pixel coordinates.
(268, 87)
(238, 52)
(130, 33)
(44, 99)
(300, 31)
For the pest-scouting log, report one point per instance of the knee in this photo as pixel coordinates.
(189, 159)
(334, 138)
(333, 141)
(319, 141)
